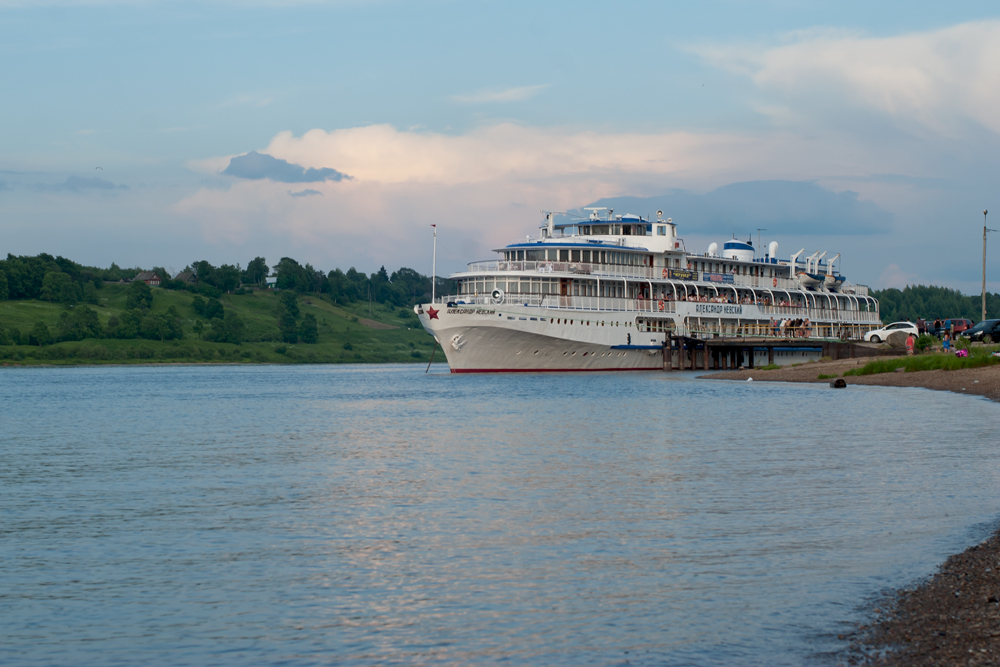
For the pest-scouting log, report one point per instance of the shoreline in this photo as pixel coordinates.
(983, 381)
(953, 617)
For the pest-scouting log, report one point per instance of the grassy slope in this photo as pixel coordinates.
(337, 326)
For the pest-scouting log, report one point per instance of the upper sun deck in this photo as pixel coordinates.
(630, 232)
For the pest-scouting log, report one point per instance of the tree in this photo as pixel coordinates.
(139, 296)
(59, 287)
(213, 309)
(290, 302)
(288, 311)
(4, 291)
(80, 323)
(39, 335)
(198, 306)
(256, 271)
(228, 330)
(128, 325)
(227, 277)
(308, 331)
(161, 326)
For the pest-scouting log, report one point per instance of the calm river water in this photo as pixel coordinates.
(378, 515)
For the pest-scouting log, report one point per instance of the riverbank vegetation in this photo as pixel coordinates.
(53, 311)
(978, 356)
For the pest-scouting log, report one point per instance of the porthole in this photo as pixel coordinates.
(535, 352)
(574, 353)
(564, 353)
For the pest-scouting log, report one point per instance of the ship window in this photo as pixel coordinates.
(479, 287)
(525, 287)
(512, 287)
(661, 230)
(534, 255)
(586, 255)
(520, 255)
(489, 286)
(552, 254)
(576, 256)
(564, 255)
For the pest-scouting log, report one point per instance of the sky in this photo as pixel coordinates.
(154, 133)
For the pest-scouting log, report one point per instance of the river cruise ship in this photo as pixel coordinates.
(605, 293)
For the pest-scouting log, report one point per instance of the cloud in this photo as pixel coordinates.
(3, 186)
(305, 193)
(256, 166)
(500, 95)
(80, 183)
(485, 187)
(781, 207)
(937, 81)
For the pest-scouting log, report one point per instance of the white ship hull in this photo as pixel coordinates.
(483, 340)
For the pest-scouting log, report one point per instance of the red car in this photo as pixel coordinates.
(958, 324)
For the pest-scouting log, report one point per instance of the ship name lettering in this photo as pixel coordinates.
(716, 308)
(471, 311)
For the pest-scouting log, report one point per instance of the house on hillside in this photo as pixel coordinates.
(149, 277)
(187, 277)
(271, 281)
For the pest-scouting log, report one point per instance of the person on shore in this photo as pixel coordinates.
(911, 340)
(946, 343)
(947, 327)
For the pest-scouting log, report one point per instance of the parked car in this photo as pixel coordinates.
(879, 335)
(958, 324)
(987, 331)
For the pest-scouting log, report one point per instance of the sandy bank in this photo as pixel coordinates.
(979, 381)
(952, 619)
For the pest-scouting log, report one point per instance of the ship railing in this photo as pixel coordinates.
(555, 301)
(572, 268)
(637, 272)
(759, 330)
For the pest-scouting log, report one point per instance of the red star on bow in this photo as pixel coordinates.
(433, 314)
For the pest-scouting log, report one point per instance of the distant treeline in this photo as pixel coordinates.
(930, 302)
(61, 280)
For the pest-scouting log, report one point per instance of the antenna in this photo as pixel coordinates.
(593, 211)
(759, 230)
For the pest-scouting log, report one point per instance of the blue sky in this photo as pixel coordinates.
(475, 115)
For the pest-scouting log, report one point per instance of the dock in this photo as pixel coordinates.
(685, 353)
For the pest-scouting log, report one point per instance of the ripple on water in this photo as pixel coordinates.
(364, 515)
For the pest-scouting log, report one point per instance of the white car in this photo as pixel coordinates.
(879, 335)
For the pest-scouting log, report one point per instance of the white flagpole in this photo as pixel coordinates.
(434, 265)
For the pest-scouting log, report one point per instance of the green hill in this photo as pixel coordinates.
(346, 333)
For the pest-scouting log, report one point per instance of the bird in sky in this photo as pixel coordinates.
(101, 168)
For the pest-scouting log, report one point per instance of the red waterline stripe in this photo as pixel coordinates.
(547, 370)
